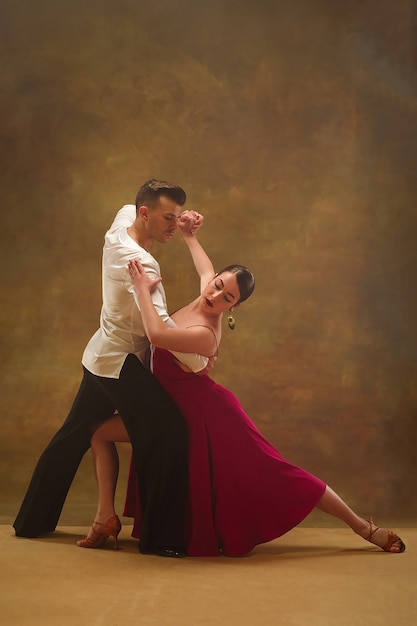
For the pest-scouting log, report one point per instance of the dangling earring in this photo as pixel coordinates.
(231, 321)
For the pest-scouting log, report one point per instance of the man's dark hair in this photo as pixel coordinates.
(150, 192)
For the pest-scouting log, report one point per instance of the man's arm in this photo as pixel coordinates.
(124, 217)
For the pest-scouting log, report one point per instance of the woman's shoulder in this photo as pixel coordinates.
(215, 338)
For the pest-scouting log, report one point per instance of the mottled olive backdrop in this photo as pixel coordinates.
(293, 127)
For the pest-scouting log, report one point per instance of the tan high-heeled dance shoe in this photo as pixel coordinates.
(111, 528)
(392, 538)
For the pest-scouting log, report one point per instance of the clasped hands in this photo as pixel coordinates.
(189, 222)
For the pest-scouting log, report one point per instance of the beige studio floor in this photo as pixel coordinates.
(309, 577)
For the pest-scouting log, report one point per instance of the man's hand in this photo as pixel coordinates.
(189, 222)
(209, 366)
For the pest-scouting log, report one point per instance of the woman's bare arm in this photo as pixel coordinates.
(194, 339)
(186, 225)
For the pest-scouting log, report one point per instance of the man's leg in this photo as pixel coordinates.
(57, 466)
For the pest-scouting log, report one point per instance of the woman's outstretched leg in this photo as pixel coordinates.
(332, 504)
(106, 469)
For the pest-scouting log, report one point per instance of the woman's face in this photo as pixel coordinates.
(221, 294)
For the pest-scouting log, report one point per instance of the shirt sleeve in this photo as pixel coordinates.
(151, 267)
(124, 217)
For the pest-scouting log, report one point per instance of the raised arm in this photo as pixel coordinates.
(189, 223)
(198, 339)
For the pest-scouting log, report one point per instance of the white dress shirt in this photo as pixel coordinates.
(121, 328)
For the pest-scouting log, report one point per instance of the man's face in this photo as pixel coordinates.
(161, 221)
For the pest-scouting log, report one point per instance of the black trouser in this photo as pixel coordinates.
(159, 443)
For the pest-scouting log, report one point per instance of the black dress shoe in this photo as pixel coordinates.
(172, 553)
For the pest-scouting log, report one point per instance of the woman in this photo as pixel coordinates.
(241, 491)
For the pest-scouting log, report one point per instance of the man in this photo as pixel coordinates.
(115, 378)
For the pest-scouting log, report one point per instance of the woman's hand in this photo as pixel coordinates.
(140, 278)
(189, 222)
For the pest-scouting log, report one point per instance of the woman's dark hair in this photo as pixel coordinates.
(153, 189)
(245, 280)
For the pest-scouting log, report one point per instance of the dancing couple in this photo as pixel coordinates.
(238, 491)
